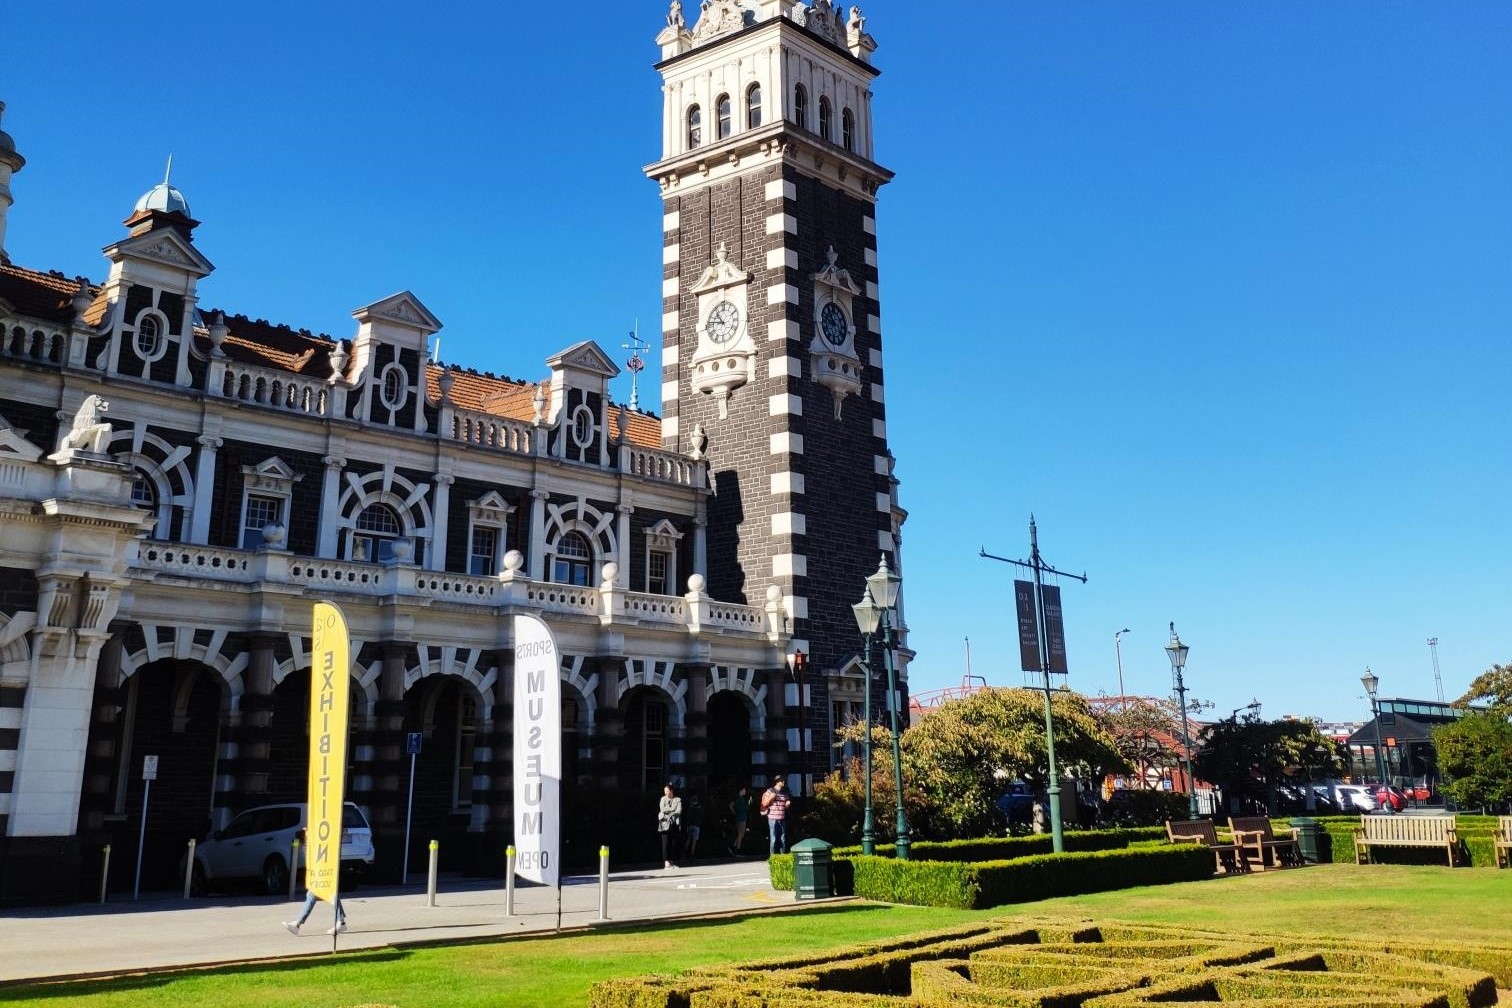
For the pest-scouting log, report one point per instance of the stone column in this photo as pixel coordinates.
(390, 768)
(698, 676)
(330, 494)
(254, 737)
(537, 545)
(609, 723)
(622, 541)
(435, 557)
(204, 489)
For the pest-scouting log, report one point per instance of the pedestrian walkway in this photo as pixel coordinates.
(165, 931)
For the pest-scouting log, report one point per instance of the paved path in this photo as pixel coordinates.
(163, 931)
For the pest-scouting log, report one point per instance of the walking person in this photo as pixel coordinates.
(309, 904)
(774, 805)
(740, 810)
(668, 819)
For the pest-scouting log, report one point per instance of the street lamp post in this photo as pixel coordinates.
(1372, 682)
(1178, 654)
(1118, 656)
(799, 662)
(867, 618)
(874, 616)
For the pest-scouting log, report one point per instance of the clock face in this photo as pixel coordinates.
(723, 322)
(832, 320)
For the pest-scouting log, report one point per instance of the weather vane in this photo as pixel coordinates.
(636, 363)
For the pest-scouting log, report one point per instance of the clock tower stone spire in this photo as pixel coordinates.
(772, 342)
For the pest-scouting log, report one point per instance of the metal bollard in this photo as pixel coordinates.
(430, 884)
(189, 868)
(293, 866)
(603, 883)
(105, 873)
(509, 880)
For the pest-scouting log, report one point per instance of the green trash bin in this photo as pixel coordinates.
(1308, 832)
(813, 870)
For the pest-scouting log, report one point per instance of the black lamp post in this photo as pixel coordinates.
(874, 617)
(798, 661)
(867, 618)
(1372, 682)
(1178, 654)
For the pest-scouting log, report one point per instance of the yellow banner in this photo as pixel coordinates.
(330, 687)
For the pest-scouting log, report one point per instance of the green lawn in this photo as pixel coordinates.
(1468, 904)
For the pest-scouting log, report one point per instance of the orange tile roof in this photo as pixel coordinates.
(39, 295)
(514, 400)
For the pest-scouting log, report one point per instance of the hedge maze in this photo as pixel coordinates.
(1029, 964)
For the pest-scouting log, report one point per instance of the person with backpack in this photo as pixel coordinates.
(774, 805)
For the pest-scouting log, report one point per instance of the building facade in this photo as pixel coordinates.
(179, 483)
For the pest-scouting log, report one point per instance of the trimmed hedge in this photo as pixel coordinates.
(1005, 964)
(1476, 842)
(1004, 848)
(976, 885)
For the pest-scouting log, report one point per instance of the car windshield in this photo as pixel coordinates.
(351, 818)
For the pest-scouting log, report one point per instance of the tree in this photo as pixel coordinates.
(962, 754)
(1492, 687)
(1475, 756)
(1147, 734)
(1250, 758)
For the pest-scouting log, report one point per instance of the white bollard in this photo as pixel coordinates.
(430, 885)
(603, 883)
(105, 873)
(189, 868)
(509, 880)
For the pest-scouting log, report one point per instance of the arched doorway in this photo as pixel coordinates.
(172, 710)
(729, 740)
(646, 749)
(289, 740)
(447, 712)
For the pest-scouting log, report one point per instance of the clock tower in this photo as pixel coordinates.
(772, 344)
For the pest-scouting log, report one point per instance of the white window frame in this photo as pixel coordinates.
(489, 512)
(663, 537)
(393, 372)
(379, 539)
(272, 478)
(591, 560)
(160, 337)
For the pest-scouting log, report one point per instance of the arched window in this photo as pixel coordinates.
(824, 117)
(143, 493)
(695, 127)
(753, 106)
(374, 534)
(151, 341)
(800, 106)
(722, 109)
(574, 560)
(847, 129)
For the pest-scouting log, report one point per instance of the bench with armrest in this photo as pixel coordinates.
(1202, 831)
(1405, 831)
(1256, 843)
(1503, 841)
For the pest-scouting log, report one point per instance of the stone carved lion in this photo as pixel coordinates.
(90, 432)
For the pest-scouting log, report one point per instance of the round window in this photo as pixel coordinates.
(395, 386)
(582, 426)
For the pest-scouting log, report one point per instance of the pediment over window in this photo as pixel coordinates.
(272, 473)
(491, 507)
(584, 356)
(663, 535)
(162, 245)
(13, 444)
(834, 277)
(402, 309)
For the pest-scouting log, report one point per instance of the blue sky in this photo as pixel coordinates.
(1219, 292)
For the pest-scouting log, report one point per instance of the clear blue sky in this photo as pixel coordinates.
(1219, 292)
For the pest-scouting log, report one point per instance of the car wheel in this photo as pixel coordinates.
(197, 886)
(275, 876)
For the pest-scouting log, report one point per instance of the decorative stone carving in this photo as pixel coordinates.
(833, 354)
(89, 432)
(696, 442)
(725, 358)
(675, 16)
(339, 361)
(218, 331)
(718, 17)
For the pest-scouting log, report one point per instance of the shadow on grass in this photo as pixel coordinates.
(133, 982)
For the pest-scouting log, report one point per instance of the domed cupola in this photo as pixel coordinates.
(162, 206)
(11, 162)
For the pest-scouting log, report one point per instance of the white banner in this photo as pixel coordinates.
(537, 752)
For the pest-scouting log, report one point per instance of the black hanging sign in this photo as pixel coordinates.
(1028, 627)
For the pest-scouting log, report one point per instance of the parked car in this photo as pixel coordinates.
(256, 845)
(1357, 796)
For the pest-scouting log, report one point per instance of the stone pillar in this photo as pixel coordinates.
(435, 557)
(622, 542)
(330, 493)
(698, 676)
(537, 544)
(254, 736)
(390, 768)
(609, 723)
(701, 545)
(204, 490)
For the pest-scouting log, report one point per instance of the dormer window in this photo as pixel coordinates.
(824, 117)
(800, 106)
(848, 129)
(722, 109)
(695, 127)
(753, 106)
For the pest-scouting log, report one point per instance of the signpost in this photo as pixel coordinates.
(412, 747)
(149, 774)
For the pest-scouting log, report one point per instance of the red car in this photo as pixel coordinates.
(1389, 799)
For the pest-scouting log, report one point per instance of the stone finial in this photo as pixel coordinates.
(82, 299)
(696, 442)
(538, 404)
(675, 16)
(447, 379)
(622, 425)
(218, 331)
(339, 360)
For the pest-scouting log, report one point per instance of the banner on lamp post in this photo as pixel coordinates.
(1028, 626)
(1055, 628)
(537, 752)
(330, 691)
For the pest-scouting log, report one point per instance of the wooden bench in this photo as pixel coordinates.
(1405, 831)
(1503, 841)
(1256, 842)
(1202, 831)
